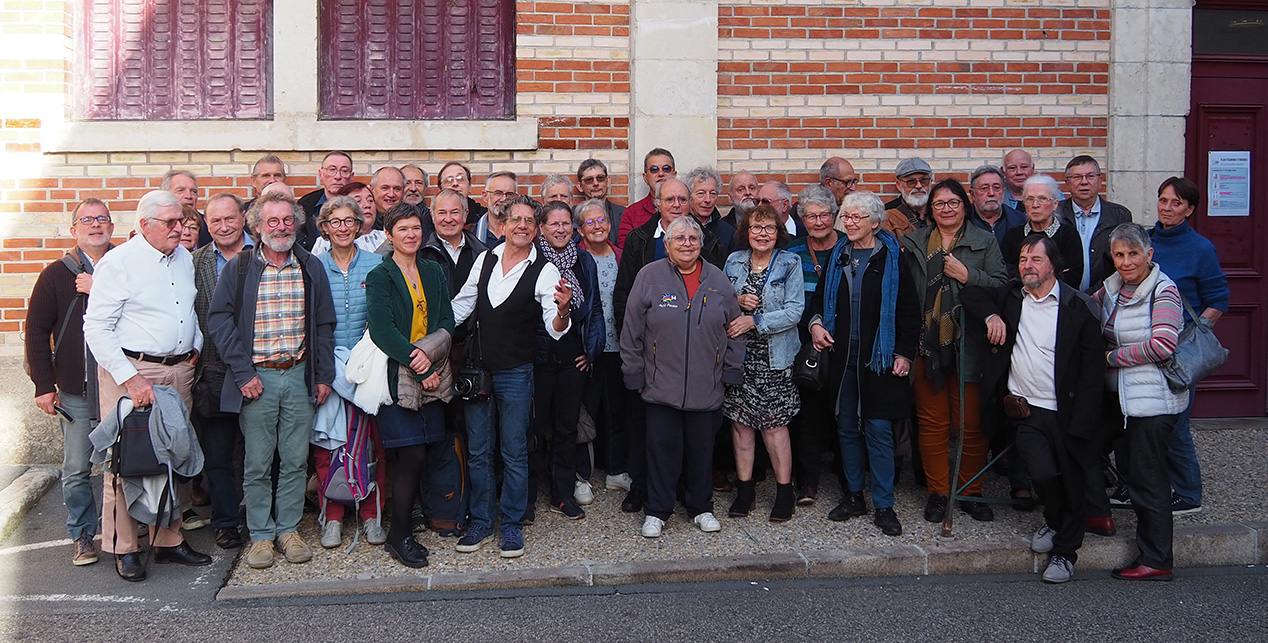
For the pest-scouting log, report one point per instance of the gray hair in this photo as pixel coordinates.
(659, 186)
(328, 208)
(74, 214)
(255, 216)
(1132, 234)
(1048, 183)
(411, 166)
(553, 180)
(864, 202)
(685, 221)
(152, 202)
(579, 212)
(268, 158)
(374, 178)
(983, 170)
(171, 174)
(450, 192)
(703, 173)
(818, 195)
(781, 190)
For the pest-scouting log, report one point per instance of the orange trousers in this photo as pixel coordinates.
(937, 411)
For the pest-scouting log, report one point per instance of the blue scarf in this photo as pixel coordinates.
(883, 347)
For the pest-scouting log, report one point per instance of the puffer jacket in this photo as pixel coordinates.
(783, 301)
(348, 293)
(1142, 389)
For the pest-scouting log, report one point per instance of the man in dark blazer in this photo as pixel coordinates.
(1047, 352)
(1093, 217)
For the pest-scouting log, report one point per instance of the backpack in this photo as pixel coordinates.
(350, 479)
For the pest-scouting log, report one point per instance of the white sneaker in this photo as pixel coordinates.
(621, 481)
(707, 523)
(331, 534)
(652, 527)
(582, 493)
(1041, 543)
(374, 533)
(1059, 570)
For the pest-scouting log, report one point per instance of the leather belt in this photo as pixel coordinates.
(281, 364)
(165, 360)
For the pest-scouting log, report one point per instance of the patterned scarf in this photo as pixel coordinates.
(565, 260)
(937, 343)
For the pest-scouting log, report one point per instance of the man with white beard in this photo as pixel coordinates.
(273, 321)
(910, 211)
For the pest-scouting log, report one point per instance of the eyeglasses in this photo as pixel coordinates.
(559, 225)
(167, 223)
(595, 179)
(1038, 200)
(685, 239)
(337, 171)
(515, 220)
(844, 183)
(655, 169)
(916, 181)
(769, 228)
(857, 218)
(949, 204)
(1079, 178)
(457, 179)
(769, 201)
(822, 216)
(102, 219)
(275, 222)
(595, 221)
(343, 223)
(674, 199)
(190, 227)
(498, 195)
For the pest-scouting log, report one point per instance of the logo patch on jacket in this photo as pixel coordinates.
(667, 300)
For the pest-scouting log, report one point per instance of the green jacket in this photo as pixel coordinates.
(979, 252)
(391, 311)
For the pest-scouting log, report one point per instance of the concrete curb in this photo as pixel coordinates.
(1195, 546)
(20, 495)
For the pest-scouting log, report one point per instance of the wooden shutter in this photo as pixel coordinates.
(174, 59)
(420, 59)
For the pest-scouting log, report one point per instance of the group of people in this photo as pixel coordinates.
(480, 351)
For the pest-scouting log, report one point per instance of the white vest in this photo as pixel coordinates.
(1142, 390)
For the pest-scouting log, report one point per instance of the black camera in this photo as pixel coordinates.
(473, 384)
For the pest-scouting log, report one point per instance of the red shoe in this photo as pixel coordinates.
(1101, 526)
(1142, 572)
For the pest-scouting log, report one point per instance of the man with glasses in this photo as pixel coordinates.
(1018, 166)
(268, 170)
(143, 337)
(275, 334)
(55, 325)
(838, 176)
(499, 187)
(595, 183)
(658, 165)
(910, 211)
(334, 173)
(1093, 218)
(184, 185)
(777, 195)
(455, 176)
(990, 213)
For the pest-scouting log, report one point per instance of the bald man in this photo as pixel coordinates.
(838, 176)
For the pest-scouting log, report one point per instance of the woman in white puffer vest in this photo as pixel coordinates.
(1141, 319)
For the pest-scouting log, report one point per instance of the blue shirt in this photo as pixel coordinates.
(220, 258)
(1086, 222)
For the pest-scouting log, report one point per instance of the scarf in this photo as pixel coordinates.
(882, 359)
(565, 260)
(938, 339)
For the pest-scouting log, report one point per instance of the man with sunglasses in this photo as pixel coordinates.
(910, 211)
(68, 385)
(658, 165)
(334, 173)
(595, 183)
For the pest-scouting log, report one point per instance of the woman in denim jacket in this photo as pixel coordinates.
(771, 294)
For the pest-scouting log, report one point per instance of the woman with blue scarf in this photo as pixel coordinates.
(867, 300)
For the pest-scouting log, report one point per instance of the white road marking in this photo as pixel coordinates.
(84, 598)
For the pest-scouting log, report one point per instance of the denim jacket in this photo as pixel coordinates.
(783, 300)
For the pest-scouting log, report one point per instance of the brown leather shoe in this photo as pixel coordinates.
(722, 482)
(1142, 572)
(293, 548)
(85, 551)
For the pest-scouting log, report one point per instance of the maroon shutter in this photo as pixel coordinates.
(174, 59)
(412, 59)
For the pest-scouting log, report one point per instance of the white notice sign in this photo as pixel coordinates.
(1228, 184)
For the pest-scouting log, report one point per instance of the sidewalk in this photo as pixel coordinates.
(606, 549)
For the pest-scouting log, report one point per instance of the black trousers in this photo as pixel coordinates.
(605, 399)
(557, 391)
(1057, 478)
(679, 445)
(808, 433)
(636, 440)
(1150, 486)
(218, 435)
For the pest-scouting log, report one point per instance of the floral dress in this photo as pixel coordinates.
(767, 399)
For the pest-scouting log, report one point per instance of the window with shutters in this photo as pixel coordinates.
(417, 59)
(174, 60)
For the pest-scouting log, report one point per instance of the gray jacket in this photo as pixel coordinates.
(676, 349)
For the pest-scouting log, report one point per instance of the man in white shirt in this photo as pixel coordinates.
(141, 327)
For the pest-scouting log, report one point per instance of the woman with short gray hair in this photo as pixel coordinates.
(1040, 196)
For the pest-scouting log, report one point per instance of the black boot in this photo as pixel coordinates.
(785, 503)
(745, 498)
(935, 507)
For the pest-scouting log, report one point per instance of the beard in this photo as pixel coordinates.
(916, 200)
(279, 241)
(745, 205)
(1032, 280)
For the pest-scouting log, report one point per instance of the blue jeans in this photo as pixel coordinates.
(279, 422)
(512, 400)
(81, 504)
(877, 436)
(1182, 459)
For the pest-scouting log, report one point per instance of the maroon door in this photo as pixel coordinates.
(1230, 113)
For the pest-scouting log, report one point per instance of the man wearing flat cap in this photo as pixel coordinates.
(910, 211)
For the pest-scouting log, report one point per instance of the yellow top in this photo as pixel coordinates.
(418, 325)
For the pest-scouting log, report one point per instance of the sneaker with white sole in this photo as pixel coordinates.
(652, 527)
(512, 542)
(582, 493)
(1059, 570)
(621, 481)
(331, 534)
(1120, 498)
(1041, 543)
(374, 533)
(191, 520)
(473, 539)
(1182, 507)
(707, 523)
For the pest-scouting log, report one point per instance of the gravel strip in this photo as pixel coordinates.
(1233, 471)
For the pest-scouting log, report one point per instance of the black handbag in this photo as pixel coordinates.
(810, 370)
(133, 453)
